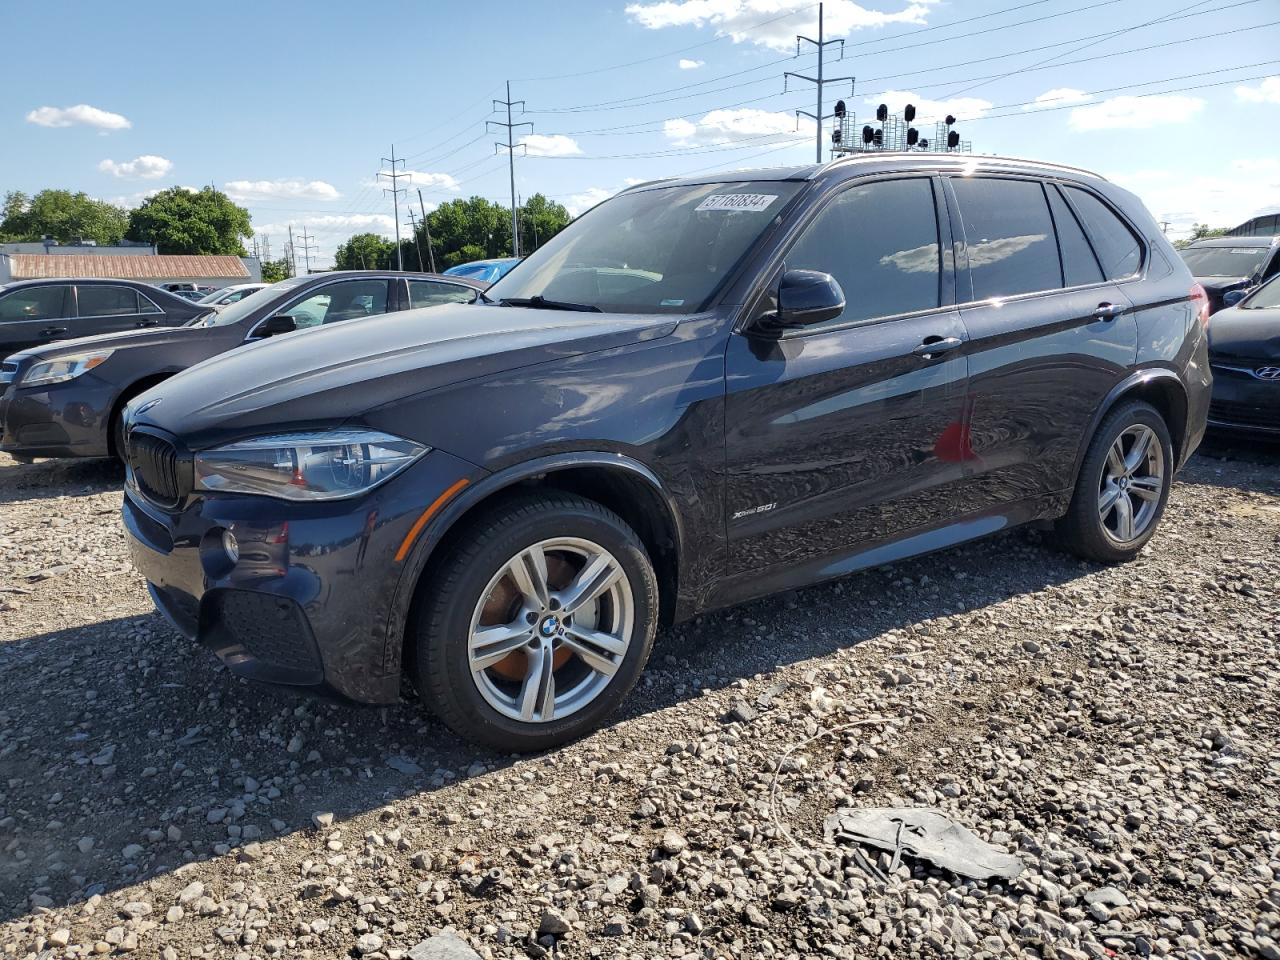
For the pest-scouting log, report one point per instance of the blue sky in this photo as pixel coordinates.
(290, 106)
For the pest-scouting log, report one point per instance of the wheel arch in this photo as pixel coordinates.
(138, 386)
(1159, 387)
(622, 484)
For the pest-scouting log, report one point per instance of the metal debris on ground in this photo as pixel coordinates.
(924, 834)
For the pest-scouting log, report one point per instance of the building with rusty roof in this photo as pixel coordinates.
(35, 261)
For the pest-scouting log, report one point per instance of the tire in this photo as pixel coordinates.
(478, 584)
(1092, 530)
(117, 435)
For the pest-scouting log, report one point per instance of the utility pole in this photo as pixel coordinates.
(417, 245)
(395, 190)
(307, 248)
(511, 157)
(817, 81)
(293, 263)
(426, 228)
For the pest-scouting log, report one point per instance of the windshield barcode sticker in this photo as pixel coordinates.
(749, 202)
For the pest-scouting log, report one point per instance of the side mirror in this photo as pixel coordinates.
(274, 326)
(806, 297)
(1232, 297)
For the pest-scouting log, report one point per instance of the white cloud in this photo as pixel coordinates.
(340, 225)
(742, 19)
(931, 111)
(1135, 113)
(550, 145)
(1058, 97)
(691, 64)
(1219, 200)
(420, 178)
(1268, 91)
(722, 126)
(81, 113)
(146, 167)
(274, 189)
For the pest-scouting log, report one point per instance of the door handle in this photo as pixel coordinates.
(52, 331)
(932, 347)
(147, 323)
(1108, 311)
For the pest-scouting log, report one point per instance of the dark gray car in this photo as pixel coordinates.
(34, 312)
(1225, 264)
(65, 400)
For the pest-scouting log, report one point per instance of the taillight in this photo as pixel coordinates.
(1201, 300)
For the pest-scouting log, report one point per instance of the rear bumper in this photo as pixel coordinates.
(308, 603)
(1242, 403)
(63, 420)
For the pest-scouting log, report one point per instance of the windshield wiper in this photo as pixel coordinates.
(542, 303)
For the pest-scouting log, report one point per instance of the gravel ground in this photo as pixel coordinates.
(1116, 728)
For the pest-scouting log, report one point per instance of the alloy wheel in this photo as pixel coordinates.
(1132, 484)
(551, 629)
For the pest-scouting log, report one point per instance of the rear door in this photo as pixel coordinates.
(33, 315)
(1050, 332)
(845, 433)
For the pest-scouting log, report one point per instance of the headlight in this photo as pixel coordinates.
(63, 369)
(321, 465)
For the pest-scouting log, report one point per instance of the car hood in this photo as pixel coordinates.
(325, 376)
(1248, 334)
(146, 337)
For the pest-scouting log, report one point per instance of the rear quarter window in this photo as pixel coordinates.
(1118, 248)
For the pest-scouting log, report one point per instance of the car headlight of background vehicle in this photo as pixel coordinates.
(319, 465)
(45, 372)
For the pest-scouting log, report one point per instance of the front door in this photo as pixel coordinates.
(849, 432)
(1051, 330)
(32, 315)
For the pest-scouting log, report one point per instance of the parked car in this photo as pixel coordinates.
(67, 400)
(34, 312)
(486, 271)
(195, 296)
(178, 286)
(229, 295)
(1244, 351)
(789, 375)
(1226, 264)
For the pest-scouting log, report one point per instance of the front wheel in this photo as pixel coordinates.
(538, 624)
(1123, 486)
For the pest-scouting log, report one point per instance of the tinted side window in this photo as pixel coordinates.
(336, 302)
(880, 241)
(34, 303)
(98, 301)
(429, 293)
(1009, 237)
(1079, 265)
(1118, 249)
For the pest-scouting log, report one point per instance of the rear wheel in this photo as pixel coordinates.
(1123, 486)
(538, 625)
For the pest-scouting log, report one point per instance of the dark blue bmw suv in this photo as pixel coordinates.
(702, 391)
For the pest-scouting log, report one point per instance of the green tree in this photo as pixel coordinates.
(365, 251)
(65, 216)
(477, 224)
(540, 220)
(178, 220)
(273, 271)
(1201, 231)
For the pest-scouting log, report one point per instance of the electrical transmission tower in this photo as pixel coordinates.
(413, 220)
(511, 157)
(266, 247)
(394, 175)
(288, 252)
(817, 81)
(307, 248)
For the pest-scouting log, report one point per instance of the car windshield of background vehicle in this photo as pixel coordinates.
(1223, 261)
(1266, 297)
(242, 308)
(664, 250)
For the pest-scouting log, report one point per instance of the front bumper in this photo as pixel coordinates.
(308, 603)
(62, 420)
(1243, 403)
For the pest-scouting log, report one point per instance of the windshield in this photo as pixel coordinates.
(1265, 297)
(664, 250)
(242, 308)
(1223, 261)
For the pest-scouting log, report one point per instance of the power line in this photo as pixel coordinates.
(511, 157)
(395, 190)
